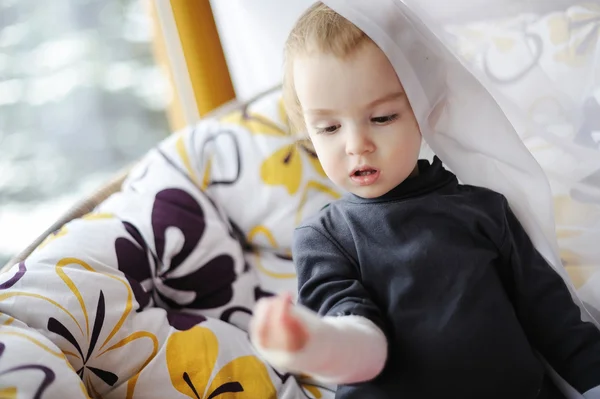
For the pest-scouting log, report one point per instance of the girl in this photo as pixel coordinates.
(416, 286)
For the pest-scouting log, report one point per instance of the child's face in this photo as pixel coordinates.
(359, 120)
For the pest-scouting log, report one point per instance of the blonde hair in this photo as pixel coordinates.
(319, 29)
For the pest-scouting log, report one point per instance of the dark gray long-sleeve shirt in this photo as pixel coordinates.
(450, 276)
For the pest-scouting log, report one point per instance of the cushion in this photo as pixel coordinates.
(150, 295)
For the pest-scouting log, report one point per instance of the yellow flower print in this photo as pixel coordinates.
(8, 393)
(255, 123)
(63, 231)
(53, 236)
(281, 111)
(569, 212)
(48, 375)
(576, 34)
(87, 348)
(578, 270)
(264, 231)
(504, 44)
(476, 40)
(284, 166)
(191, 360)
(183, 153)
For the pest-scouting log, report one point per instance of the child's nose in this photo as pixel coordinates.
(359, 143)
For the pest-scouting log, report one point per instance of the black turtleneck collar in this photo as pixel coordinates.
(431, 177)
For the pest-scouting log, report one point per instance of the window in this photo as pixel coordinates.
(80, 98)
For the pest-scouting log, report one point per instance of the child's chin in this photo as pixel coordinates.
(367, 192)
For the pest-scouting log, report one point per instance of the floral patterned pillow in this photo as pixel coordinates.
(278, 178)
(142, 297)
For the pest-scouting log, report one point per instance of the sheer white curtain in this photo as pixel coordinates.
(541, 60)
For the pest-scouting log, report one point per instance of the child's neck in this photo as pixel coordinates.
(415, 171)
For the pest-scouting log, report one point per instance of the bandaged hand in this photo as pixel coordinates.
(275, 327)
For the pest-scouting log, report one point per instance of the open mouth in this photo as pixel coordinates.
(365, 172)
(365, 175)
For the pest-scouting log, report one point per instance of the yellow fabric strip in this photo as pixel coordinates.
(203, 53)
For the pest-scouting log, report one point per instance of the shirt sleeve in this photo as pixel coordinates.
(547, 312)
(340, 350)
(329, 280)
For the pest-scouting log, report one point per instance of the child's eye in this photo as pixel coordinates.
(328, 129)
(382, 120)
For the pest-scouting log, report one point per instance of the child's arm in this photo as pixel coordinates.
(348, 344)
(546, 310)
(338, 350)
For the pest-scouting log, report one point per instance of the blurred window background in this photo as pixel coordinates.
(81, 97)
